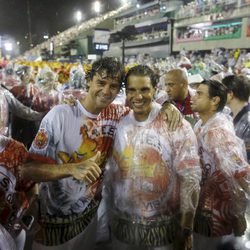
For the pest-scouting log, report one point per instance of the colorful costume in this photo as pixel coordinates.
(153, 174)
(72, 134)
(8, 103)
(222, 202)
(12, 193)
(22, 129)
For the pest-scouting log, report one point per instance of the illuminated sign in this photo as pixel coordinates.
(101, 46)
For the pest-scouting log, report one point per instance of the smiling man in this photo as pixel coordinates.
(146, 163)
(74, 134)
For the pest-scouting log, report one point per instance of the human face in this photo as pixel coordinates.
(48, 82)
(140, 93)
(173, 87)
(201, 102)
(102, 90)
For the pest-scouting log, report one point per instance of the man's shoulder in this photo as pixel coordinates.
(114, 106)
(64, 108)
(242, 126)
(60, 111)
(114, 112)
(246, 117)
(220, 129)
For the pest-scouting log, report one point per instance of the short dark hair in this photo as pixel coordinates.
(110, 65)
(216, 88)
(142, 70)
(239, 85)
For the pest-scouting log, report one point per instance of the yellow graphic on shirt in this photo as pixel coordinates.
(147, 172)
(86, 150)
(124, 160)
(146, 162)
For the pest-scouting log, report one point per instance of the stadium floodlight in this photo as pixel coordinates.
(8, 46)
(97, 7)
(78, 16)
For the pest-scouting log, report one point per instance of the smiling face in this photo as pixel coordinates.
(140, 93)
(102, 91)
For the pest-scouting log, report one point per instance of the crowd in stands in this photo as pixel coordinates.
(217, 9)
(142, 14)
(225, 31)
(145, 36)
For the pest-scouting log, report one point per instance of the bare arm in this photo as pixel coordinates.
(87, 171)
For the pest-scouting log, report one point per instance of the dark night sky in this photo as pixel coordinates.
(47, 16)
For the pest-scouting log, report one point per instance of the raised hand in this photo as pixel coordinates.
(88, 170)
(172, 116)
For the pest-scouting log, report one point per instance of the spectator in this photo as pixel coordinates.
(237, 100)
(220, 214)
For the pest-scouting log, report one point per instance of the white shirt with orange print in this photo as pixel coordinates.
(72, 134)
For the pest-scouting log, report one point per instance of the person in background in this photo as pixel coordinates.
(24, 130)
(179, 93)
(48, 95)
(9, 104)
(14, 193)
(77, 86)
(18, 191)
(238, 101)
(9, 78)
(220, 215)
